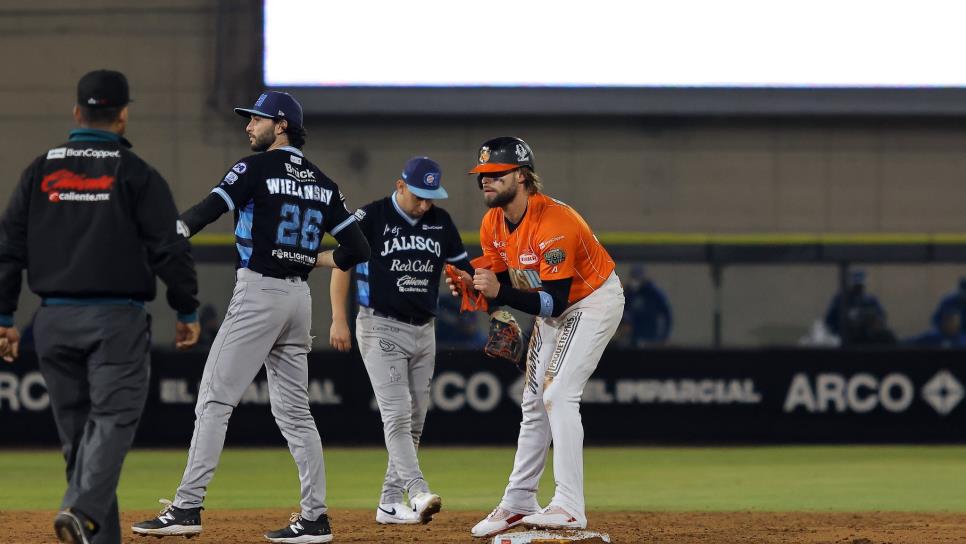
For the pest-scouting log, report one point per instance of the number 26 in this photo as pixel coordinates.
(296, 225)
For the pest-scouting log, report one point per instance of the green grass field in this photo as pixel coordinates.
(790, 478)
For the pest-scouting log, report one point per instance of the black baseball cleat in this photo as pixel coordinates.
(172, 521)
(303, 531)
(73, 527)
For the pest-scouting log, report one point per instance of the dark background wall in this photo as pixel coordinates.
(189, 60)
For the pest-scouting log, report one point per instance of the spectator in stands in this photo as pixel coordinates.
(953, 302)
(646, 309)
(868, 328)
(455, 330)
(862, 311)
(948, 334)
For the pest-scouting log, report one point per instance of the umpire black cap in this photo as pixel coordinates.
(103, 89)
(503, 154)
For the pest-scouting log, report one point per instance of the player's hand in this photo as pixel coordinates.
(186, 334)
(466, 279)
(9, 343)
(485, 281)
(339, 336)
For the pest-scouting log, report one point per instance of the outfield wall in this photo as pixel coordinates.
(659, 396)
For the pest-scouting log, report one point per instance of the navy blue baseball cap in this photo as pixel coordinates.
(275, 105)
(424, 178)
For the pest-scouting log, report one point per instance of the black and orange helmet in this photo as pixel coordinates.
(502, 155)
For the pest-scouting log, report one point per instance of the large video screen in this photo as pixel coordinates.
(615, 56)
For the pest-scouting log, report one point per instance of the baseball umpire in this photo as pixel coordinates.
(94, 225)
(411, 240)
(544, 260)
(283, 205)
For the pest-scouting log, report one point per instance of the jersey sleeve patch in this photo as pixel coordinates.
(240, 168)
(555, 256)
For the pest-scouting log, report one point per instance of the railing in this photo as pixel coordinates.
(721, 250)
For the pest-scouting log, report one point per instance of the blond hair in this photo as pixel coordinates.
(532, 181)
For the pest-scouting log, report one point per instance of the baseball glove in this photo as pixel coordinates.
(505, 340)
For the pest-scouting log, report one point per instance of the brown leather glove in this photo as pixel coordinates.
(505, 340)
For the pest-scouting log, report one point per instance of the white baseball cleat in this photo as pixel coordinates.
(425, 505)
(554, 517)
(498, 521)
(396, 513)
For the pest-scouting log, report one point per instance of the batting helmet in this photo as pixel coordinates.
(503, 154)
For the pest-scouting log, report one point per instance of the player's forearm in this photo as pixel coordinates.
(339, 294)
(203, 213)
(551, 302)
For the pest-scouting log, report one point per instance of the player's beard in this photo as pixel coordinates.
(263, 141)
(501, 198)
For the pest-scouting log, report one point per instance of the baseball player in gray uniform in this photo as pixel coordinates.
(410, 242)
(283, 205)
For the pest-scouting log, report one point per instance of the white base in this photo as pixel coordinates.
(526, 537)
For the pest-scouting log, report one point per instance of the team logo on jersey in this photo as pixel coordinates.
(231, 178)
(431, 179)
(360, 214)
(529, 258)
(484, 154)
(555, 256)
(407, 243)
(295, 159)
(240, 168)
(522, 153)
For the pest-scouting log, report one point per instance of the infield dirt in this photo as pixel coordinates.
(357, 526)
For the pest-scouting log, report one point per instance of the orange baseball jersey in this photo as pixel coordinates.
(552, 242)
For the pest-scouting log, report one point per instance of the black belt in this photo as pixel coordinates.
(419, 322)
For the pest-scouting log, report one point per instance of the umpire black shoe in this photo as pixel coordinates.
(303, 531)
(172, 521)
(73, 527)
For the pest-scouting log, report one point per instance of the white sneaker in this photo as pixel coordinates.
(498, 521)
(395, 513)
(554, 517)
(425, 505)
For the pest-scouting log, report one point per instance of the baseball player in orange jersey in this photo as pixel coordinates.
(545, 261)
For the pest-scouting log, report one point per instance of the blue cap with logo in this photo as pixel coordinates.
(275, 105)
(424, 178)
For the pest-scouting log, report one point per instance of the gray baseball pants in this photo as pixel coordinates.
(95, 363)
(267, 323)
(400, 359)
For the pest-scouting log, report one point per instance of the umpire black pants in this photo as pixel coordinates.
(95, 362)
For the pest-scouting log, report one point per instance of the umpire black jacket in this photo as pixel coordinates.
(90, 219)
